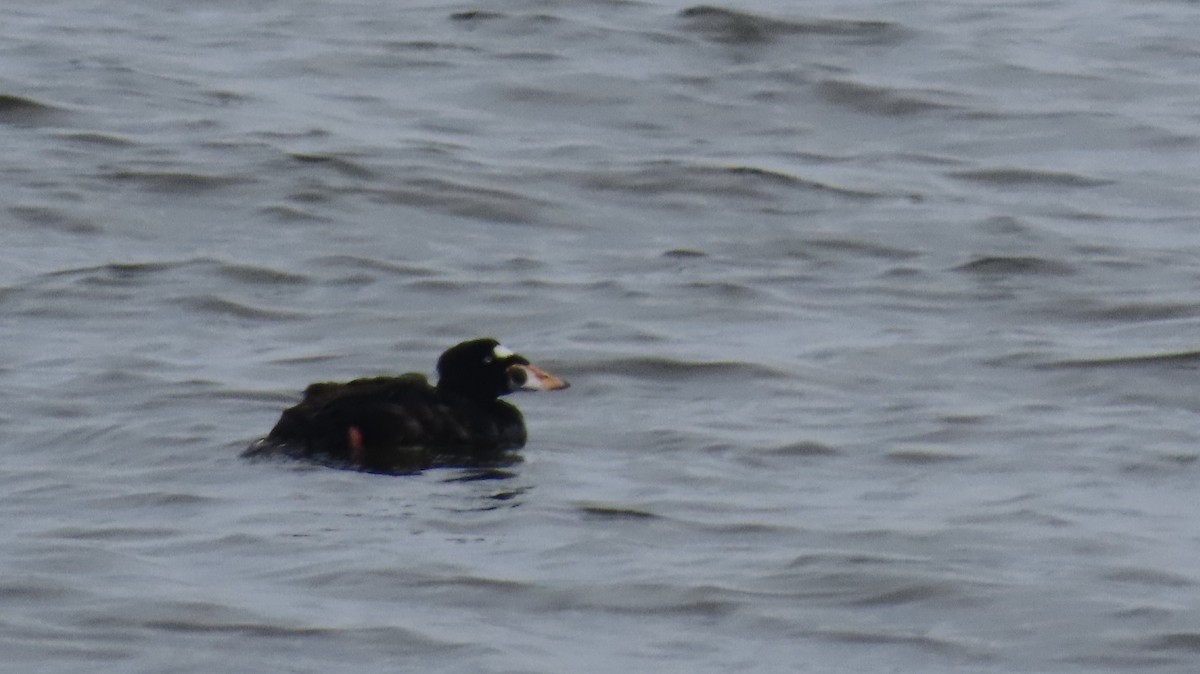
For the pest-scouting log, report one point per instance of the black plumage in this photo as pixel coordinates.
(402, 423)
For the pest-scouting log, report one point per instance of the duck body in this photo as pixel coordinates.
(403, 423)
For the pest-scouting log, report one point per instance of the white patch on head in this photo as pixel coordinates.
(500, 352)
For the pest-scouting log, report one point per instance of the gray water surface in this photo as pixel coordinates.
(880, 318)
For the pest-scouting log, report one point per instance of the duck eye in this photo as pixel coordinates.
(487, 360)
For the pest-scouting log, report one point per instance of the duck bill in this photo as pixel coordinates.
(537, 379)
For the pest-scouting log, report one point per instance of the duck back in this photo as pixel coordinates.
(394, 424)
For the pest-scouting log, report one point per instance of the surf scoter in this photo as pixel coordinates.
(402, 423)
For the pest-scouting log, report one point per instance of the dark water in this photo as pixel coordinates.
(881, 320)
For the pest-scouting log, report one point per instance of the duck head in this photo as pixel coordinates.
(483, 369)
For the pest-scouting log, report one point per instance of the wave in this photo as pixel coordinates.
(22, 111)
(732, 26)
(1018, 177)
(1173, 358)
(671, 369)
(735, 180)
(220, 306)
(878, 100)
(183, 182)
(1023, 265)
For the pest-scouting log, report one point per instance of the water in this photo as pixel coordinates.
(880, 320)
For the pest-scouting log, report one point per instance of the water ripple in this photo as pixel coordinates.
(878, 100)
(1015, 265)
(54, 219)
(181, 182)
(21, 111)
(668, 176)
(465, 199)
(1019, 177)
(740, 27)
(671, 369)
